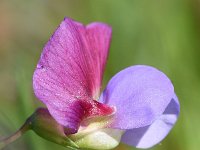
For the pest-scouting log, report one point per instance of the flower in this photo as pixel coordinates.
(138, 106)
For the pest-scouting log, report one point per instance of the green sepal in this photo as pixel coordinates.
(44, 125)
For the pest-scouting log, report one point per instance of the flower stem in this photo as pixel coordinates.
(15, 136)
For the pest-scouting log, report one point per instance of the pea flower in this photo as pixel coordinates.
(138, 106)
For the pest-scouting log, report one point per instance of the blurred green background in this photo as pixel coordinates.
(161, 33)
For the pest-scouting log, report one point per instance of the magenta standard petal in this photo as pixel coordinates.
(140, 95)
(99, 45)
(69, 73)
(148, 136)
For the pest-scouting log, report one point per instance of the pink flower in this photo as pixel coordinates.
(139, 100)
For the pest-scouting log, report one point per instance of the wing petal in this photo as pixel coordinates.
(148, 136)
(140, 94)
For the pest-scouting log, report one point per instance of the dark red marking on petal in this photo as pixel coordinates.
(94, 108)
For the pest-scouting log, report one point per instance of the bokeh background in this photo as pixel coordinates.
(161, 33)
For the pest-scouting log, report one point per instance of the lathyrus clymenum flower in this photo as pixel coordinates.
(138, 107)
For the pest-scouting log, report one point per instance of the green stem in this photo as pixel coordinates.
(15, 136)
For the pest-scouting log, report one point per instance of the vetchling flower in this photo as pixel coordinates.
(139, 103)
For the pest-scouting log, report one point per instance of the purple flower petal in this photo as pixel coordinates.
(69, 74)
(140, 95)
(148, 136)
